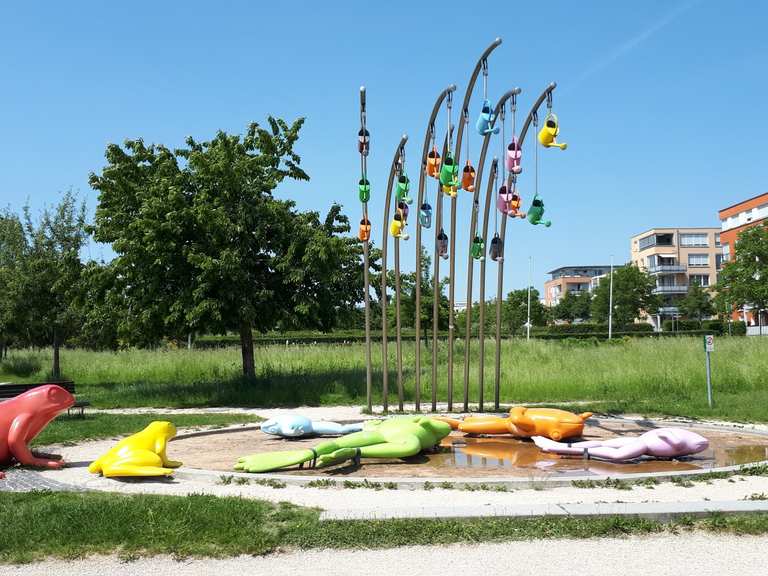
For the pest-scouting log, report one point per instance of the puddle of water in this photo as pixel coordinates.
(508, 454)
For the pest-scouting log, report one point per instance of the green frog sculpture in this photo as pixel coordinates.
(394, 438)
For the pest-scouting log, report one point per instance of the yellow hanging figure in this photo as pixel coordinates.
(549, 133)
(142, 454)
(397, 228)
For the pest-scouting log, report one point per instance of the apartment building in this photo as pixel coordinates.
(573, 279)
(676, 258)
(733, 221)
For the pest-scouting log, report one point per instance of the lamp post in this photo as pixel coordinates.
(530, 275)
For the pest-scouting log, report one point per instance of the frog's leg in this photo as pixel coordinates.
(138, 463)
(17, 445)
(346, 447)
(398, 447)
(161, 444)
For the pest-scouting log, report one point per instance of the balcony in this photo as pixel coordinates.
(668, 269)
(676, 289)
(669, 310)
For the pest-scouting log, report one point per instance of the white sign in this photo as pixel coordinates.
(709, 343)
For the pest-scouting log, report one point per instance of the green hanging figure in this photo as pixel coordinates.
(478, 248)
(402, 189)
(449, 176)
(536, 212)
(394, 438)
(364, 189)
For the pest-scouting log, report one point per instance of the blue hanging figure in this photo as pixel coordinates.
(486, 120)
(425, 215)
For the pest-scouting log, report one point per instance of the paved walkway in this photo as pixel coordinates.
(659, 555)
(22, 480)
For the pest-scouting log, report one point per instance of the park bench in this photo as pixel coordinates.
(10, 390)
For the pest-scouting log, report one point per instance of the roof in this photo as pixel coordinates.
(585, 267)
(743, 202)
(665, 228)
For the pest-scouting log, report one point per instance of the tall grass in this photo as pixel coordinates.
(645, 375)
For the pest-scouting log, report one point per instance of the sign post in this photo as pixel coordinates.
(709, 346)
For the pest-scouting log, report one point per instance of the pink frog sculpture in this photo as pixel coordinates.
(23, 417)
(514, 157)
(658, 443)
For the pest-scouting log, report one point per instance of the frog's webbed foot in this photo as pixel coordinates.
(173, 464)
(125, 470)
(338, 456)
(46, 455)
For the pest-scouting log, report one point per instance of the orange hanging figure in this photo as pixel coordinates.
(433, 163)
(468, 177)
(364, 233)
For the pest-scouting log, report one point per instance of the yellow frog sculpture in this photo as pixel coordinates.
(142, 454)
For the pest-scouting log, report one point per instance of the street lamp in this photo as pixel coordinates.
(610, 304)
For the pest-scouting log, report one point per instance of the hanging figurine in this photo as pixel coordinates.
(402, 189)
(503, 199)
(486, 120)
(513, 207)
(514, 157)
(397, 228)
(425, 215)
(402, 209)
(478, 248)
(497, 249)
(363, 141)
(364, 189)
(549, 133)
(364, 234)
(449, 176)
(468, 177)
(442, 244)
(536, 212)
(433, 163)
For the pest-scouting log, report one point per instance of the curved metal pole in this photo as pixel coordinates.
(366, 276)
(420, 201)
(472, 230)
(500, 279)
(436, 292)
(452, 254)
(398, 328)
(385, 231)
(481, 329)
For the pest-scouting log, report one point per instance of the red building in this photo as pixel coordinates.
(733, 221)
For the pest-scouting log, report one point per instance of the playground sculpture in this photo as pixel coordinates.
(658, 443)
(449, 176)
(24, 417)
(142, 454)
(549, 132)
(486, 120)
(525, 422)
(297, 426)
(536, 212)
(394, 438)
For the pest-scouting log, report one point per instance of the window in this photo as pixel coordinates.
(700, 279)
(698, 260)
(717, 239)
(647, 242)
(726, 252)
(694, 240)
(719, 259)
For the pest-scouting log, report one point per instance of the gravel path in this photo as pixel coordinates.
(661, 555)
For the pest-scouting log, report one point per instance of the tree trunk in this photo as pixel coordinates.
(246, 347)
(56, 368)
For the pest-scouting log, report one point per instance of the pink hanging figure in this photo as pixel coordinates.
(514, 157)
(659, 443)
(503, 199)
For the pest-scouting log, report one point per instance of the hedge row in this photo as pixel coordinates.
(588, 328)
(716, 327)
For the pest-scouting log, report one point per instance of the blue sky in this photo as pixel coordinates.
(662, 103)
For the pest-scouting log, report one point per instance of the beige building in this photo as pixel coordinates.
(573, 279)
(676, 258)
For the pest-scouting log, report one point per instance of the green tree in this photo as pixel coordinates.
(51, 275)
(632, 293)
(408, 298)
(515, 310)
(696, 303)
(744, 280)
(202, 244)
(13, 249)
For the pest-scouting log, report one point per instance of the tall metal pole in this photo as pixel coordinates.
(366, 268)
(428, 136)
(500, 279)
(472, 232)
(399, 152)
(610, 303)
(530, 279)
(436, 292)
(481, 64)
(481, 329)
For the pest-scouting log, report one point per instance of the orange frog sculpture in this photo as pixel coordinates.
(525, 422)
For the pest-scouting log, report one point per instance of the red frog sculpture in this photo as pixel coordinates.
(23, 417)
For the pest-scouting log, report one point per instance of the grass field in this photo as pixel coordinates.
(94, 426)
(649, 375)
(69, 525)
